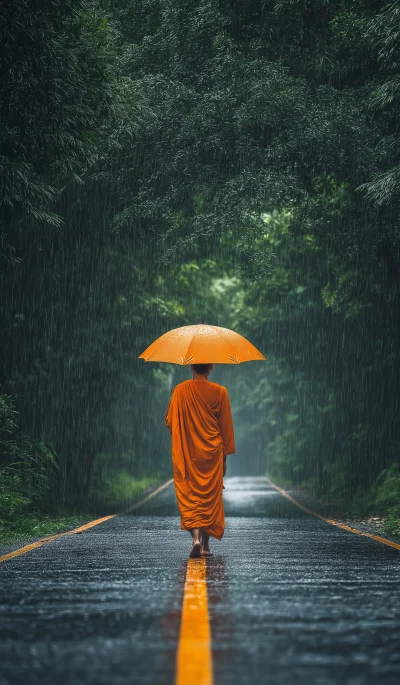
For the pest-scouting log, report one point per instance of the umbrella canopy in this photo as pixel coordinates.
(201, 344)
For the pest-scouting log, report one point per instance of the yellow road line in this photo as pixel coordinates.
(146, 499)
(194, 658)
(81, 529)
(50, 538)
(332, 522)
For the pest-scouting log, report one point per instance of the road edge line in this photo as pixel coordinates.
(332, 522)
(146, 499)
(80, 529)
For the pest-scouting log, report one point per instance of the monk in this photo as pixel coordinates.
(200, 421)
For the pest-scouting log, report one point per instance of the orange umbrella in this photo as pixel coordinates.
(201, 344)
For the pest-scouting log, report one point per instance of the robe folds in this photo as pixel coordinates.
(200, 421)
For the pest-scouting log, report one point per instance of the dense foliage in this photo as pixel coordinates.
(165, 161)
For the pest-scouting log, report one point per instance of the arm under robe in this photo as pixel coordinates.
(226, 424)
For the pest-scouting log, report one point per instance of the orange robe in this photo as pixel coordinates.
(200, 421)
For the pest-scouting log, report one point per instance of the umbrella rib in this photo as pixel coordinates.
(193, 341)
(157, 347)
(222, 333)
(160, 341)
(262, 357)
(187, 350)
(190, 342)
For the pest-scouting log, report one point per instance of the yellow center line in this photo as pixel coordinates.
(332, 522)
(80, 529)
(194, 658)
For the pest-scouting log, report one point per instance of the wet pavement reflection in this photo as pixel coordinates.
(291, 600)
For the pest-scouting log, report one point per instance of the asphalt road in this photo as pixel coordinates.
(292, 600)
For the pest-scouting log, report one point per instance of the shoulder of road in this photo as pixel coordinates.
(372, 527)
(23, 545)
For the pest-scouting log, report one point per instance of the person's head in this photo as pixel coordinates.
(202, 370)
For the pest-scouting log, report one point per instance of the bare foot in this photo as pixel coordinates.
(205, 547)
(195, 552)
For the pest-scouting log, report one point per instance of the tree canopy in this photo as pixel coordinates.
(167, 161)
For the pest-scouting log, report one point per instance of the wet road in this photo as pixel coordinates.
(291, 599)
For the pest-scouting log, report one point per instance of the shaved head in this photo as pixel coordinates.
(201, 369)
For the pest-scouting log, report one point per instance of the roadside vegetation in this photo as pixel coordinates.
(30, 485)
(163, 162)
(381, 499)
